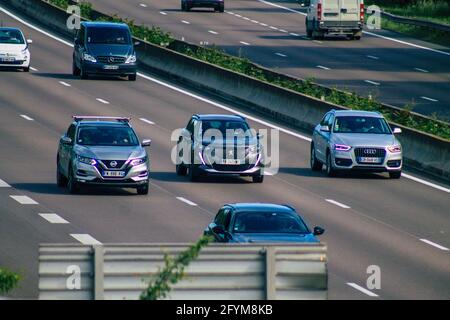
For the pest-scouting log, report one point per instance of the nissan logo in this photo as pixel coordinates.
(370, 151)
(113, 164)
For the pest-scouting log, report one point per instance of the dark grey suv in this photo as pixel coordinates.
(218, 5)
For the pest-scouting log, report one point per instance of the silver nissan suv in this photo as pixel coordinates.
(356, 140)
(102, 151)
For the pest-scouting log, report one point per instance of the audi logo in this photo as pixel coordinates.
(370, 151)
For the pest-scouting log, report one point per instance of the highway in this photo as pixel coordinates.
(402, 226)
(272, 33)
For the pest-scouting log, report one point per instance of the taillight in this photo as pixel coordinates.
(319, 11)
(361, 14)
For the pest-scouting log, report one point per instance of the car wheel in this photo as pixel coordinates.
(132, 77)
(61, 181)
(143, 190)
(83, 74)
(75, 69)
(193, 172)
(258, 179)
(309, 31)
(316, 165)
(221, 9)
(395, 174)
(72, 185)
(331, 172)
(183, 6)
(181, 169)
(26, 69)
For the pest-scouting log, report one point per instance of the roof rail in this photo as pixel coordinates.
(98, 118)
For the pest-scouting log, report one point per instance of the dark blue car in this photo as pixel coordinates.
(218, 5)
(260, 222)
(104, 48)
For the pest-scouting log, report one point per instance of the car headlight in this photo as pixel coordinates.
(88, 57)
(395, 149)
(342, 147)
(86, 160)
(139, 161)
(131, 59)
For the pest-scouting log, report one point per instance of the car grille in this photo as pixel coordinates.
(370, 153)
(225, 167)
(108, 165)
(15, 62)
(111, 59)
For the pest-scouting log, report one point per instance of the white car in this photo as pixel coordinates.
(14, 51)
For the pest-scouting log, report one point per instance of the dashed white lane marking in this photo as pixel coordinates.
(363, 290)
(65, 84)
(163, 13)
(33, 69)
(53, 218)
(372, 82)
(187, 201)
(264, 24)
(365, 32)
(185, 22)
(273, 28)
(244, 43)
(102, 101)
(294, 34)
(213, 103)
(337, 203)
(281, 55)
(146, 121)
(26, 117)
(24, 200)
(213, 32)
(3, 184)
(322, 67)
(143, 5)
(431, 243)
(429, 99)
(282, 30)
(85, 238)
(373, 57)
(421, 70)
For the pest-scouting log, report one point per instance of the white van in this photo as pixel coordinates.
(334, 17)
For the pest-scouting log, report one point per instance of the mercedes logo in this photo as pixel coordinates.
(113, 164)
(111, 59)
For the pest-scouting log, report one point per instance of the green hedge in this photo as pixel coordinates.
(8, 281)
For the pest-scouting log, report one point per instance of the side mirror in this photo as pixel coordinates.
(146, 142)
(325, 128)
(218, 230)
(66, 140)
(318, 231)
(397, 130)
(29, 41)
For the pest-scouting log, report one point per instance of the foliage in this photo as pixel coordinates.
(173, 271)
(8, 281)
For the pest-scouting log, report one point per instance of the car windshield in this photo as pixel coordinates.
(237, 127)
(11, 36)
(352, 124)
(108, 36)
(106, 136)
(268, 222)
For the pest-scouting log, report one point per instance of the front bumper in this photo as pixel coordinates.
(17, 63)
(348, 161)
(252, 167)
(99, 68)
(93, 175)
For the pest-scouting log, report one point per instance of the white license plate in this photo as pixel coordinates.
(369, 160)
(231, 161)
(111, 67)
(8, 59)
(114, 174)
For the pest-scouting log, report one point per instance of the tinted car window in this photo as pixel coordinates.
(106, 136)
(361, 125)
(104, 35)
(220, 218)
(268, 222)
(11, 37)
(239, 127)
(71, 132)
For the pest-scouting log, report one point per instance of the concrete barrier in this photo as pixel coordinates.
(422, 151)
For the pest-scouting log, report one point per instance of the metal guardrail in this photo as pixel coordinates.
(122, 271)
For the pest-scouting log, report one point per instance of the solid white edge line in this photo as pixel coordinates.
(337, 203)
(218, 105)
(429, 99)
(264, 24)
(373, 57)
(102, 101)
(143, 5)
(273, 28)
(363, 290)
(322, 67)
(33, 69)
(3, 184)
(53, 218)
(85, 238)
(213, 32)
(187, 201)
(431, 243)
(366, 32)
(26, 117)
(163, 13)
(294, 34)
(421, 70)
(65, 84)
(24, 199)
(146, 121)
(185, 22)
(280, 54)
(372, 82)
(245, 18)
(244, 43)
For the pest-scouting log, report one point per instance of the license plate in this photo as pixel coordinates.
(369, 160)
(231, 161)
(8, 59)
(119, 174)
(111, 67)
